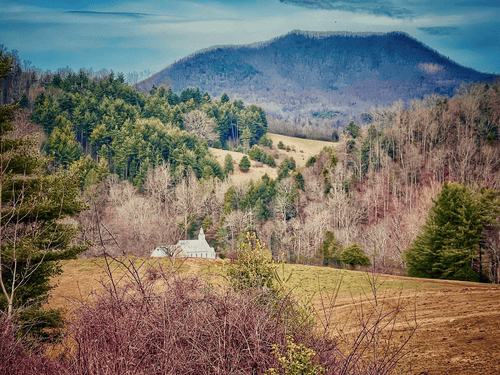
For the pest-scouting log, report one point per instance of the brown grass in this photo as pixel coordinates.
(238, 177)
(459, 322)
(302, 150)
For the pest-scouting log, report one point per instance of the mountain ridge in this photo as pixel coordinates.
(306, 72)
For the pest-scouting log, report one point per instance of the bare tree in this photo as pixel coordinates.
(198, 123)
(284, 201)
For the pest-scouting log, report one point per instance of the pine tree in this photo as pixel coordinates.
(244, 164)
(330, 250)
(228, 164)
(450, 238)
(62, 144)
(33, 237)
(224, 98)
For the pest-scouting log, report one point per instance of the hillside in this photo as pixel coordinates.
(457, 322)
(332, 76)
(299, 149)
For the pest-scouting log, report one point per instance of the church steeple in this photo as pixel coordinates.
(201, 235)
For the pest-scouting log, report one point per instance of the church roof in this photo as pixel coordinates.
(190, 248)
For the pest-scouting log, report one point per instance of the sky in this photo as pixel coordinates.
(127, 36)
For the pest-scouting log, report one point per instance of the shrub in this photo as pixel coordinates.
(270, 161)
(297, 360)
(354, 255)
(253, 267)
(257, 153)
(281, 145)
(185, 326)
(264, 141)
(311, 161)
(15, 360)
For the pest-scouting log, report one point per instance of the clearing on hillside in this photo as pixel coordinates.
(300, 150)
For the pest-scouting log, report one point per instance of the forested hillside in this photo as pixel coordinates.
(146, 171)
(320, 78)
(131, 133)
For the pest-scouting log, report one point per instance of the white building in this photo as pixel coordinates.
(187, 248)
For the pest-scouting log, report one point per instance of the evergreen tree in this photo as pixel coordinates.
(206, 98)
(45, 113)
(299, 180)
(228, 164)
(33, 236)
(224, 98)
(450, 238)
(330, 250)
(62, 145)
(246, 136)
(245, 164)
(353, 255)
(352, 129)
(270, 161)
(24, 102)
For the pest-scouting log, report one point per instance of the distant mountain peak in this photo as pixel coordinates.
(303, 73)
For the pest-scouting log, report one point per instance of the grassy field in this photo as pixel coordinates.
(300, 149)
(457, 323)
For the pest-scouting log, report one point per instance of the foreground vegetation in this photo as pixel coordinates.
(248, 323)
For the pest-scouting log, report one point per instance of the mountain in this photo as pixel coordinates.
(312, 74)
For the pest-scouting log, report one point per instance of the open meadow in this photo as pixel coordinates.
(300, 149)
(457, 323)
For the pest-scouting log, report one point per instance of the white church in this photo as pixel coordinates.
(187, 248)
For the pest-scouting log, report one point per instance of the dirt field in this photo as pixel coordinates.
(458, 323)
(458, 328)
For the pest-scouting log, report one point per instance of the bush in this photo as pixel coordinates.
(281, 145)
(15, 360)
(354, 255)
(311, 161)
(186, 326)
(257, 153)
(297, 360)
(264, 141)
(270, 161)
(254, 267)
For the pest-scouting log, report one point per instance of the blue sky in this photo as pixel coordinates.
(138, 35)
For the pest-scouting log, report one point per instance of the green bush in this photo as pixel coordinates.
(353, 255)
(296, 360)
(257, 153)
(264, 141)
(254, 267)
(270, 161)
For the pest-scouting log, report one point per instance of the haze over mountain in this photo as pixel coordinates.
(316, 74)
